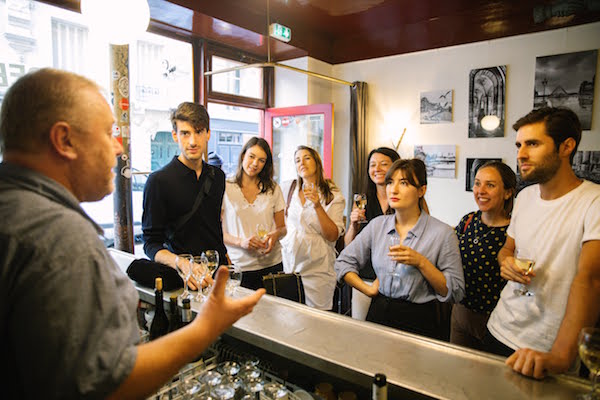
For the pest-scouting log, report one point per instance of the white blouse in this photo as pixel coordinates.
(240, 219)
(307, 252)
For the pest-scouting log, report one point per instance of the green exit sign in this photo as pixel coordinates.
(280, 32)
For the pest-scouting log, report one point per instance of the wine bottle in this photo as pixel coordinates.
(380, 387)
(160, 322)
(174, 314)
(186, 312)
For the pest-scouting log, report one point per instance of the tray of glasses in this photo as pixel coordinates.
(228, 380)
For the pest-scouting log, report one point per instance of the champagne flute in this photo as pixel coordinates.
(589, 352)
(360, 199)
(525, 260)
(183, 267)
(262, 232)
(394, 240)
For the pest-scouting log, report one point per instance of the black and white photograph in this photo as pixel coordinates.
(567, 80)
(436, 106)
(473, 165)
(487, 102)
(439, 159)
(586, 165)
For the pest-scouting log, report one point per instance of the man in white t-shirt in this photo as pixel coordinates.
(557, 221)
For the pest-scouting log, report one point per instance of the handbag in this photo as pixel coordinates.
(285, 285)
(144, 272)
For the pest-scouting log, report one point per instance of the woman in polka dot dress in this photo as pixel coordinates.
(481, 235)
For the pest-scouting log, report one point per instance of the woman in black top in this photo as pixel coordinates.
(481, 235)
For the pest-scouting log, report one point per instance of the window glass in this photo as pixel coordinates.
(246, 82)
(36, 35)
(230, 127)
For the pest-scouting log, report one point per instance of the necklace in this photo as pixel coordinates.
(480, 238)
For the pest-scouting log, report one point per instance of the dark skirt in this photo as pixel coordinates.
(253, 279)
(404, 315)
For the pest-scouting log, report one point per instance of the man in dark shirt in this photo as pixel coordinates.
(170, 226)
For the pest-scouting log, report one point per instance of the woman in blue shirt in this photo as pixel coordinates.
(415, 257)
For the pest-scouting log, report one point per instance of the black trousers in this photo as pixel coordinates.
(493, 345)
(404, 315)
(253, 279)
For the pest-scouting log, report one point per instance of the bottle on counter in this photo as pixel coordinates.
(174, 314)
(380, 387)
(186, 312)
(160, 322)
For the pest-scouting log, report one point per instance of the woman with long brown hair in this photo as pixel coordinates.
(415, 257)
(314, 222)
(253, 206)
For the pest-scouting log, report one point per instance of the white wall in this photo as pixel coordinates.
(395, 83)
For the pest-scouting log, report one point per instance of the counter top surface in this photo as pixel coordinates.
(356, 350)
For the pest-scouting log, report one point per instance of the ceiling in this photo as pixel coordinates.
(339, 31)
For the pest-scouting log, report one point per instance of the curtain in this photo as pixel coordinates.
(358, 139)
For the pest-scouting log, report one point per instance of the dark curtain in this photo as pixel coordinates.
(358, 139)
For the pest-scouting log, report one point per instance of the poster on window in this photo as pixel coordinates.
(487, 98)
(567, 80)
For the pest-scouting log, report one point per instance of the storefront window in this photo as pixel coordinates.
(36, 35)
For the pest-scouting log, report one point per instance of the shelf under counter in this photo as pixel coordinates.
(355, 350)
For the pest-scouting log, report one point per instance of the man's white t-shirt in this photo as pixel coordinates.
(554, 230)
(240, 219)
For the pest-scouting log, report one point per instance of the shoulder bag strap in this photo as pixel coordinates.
(468, 222)
(199, 198)
(289, 196)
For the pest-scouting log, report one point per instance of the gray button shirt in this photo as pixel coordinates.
(430, 237)
(67, 312)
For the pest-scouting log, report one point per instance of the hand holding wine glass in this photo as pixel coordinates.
(360, 201)
(524, 260)
(394, 241)
(212, 263)
(310, 194)
(262, 232)
(199, 271)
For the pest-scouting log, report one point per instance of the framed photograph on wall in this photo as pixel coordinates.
(439, 159)
(473, 165)
(586, 165)
(567, 80)
(436, 106)
(487, 102)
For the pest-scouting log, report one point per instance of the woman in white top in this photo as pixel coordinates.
(251, 199)
(314, 222)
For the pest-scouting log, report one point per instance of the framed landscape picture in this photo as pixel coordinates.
(436, 106)
(487, 99)
(439, 159)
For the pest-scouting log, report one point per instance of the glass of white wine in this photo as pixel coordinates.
(261, 232)
(360, 199)
(525, 260)
(589, 352)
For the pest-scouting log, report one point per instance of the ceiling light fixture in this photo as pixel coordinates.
(270, 63)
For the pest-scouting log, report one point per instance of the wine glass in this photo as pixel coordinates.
(183, 266)
(360, 199)
(212, 263)
(262, 231)
(307, 186)
(525, 260)
(234, 281)
(199, 271)
(394, 240)
(589, 352)
(188, 384)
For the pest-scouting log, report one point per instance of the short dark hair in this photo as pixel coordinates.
(561, 123)
(414, 171)
(193, 113)
(38, 100)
